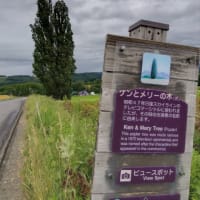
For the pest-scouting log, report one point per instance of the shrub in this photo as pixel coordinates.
(22, 89)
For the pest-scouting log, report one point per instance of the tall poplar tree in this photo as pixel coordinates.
(154, 70)
(54, 63)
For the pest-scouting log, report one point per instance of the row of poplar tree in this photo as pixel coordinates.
(54, 63)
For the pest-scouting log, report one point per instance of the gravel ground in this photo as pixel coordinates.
(10, 181)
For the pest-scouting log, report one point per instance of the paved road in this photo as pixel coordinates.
(11, 167)
(9, 111)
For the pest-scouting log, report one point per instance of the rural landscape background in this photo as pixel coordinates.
(60, 143)
(62, 105)
(25, 85)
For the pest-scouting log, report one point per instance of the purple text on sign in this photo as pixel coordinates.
(163, 197)
(138, 175)
(148, 121)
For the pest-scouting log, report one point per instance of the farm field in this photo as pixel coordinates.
(59, 148)
(4, 97)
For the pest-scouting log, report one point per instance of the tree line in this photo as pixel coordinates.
(27, 85)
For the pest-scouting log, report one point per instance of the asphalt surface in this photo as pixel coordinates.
(9, 114)
(11, 184)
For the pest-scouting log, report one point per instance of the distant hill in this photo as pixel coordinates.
(89, 76)
(9, 80)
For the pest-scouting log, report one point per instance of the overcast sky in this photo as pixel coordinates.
(91, 20)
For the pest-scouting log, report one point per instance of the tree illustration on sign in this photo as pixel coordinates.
(154, 69)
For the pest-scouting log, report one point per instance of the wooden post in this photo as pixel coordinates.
(122, 71)
(149, 30)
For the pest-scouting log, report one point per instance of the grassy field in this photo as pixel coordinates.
(60, 145)
(4, 97)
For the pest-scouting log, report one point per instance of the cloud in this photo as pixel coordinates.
(15, 67)
(91, 20)
(16, 45)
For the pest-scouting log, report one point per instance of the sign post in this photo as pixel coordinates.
(147, 114)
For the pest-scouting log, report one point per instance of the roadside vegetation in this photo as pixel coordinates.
(22, 89)
(59, 147)
(195, 171)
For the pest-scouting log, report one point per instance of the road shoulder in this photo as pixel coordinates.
(10, 180)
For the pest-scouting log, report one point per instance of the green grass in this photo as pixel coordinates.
(195, 169)
(60, 143)
(77, 99)
(195, 177)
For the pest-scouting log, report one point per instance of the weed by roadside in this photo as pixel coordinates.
(59, 148)
(195, 168)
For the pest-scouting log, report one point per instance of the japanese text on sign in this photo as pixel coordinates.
(150, 121)
(147, 175)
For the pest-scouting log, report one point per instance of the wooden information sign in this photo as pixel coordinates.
(132, 141)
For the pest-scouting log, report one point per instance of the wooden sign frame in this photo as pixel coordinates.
(121, 71)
